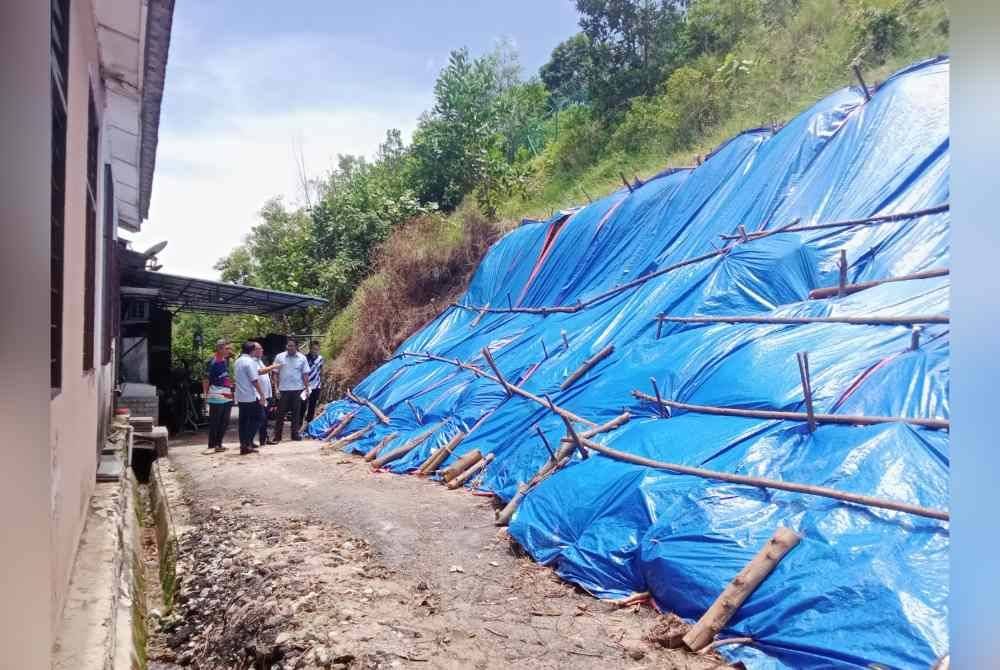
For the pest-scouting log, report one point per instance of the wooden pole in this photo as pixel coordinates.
(379, 414)
(373, 452)
(915, 338)
(761, 482)
(545, 441)
(861, 81)
(738, 590)
(406, 448)
(625, 181)
(461, 465)
(570, 430)
(842, 267)
(656, 392)
(475, 322)
(803, 359)
(828, 292)
(777, 415)
(564, 339)
(335, 430)
(587, 365)
(478, 466)
(416, 413)
(489, 359)
(507, 513)
(438, 457)
(659, 328)
(743, 233)
(545, 350)
(510, 305)
(353, 437)
(796, 320)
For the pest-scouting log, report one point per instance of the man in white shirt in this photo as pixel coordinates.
(249, 395)
(265, 384)
(293, 379)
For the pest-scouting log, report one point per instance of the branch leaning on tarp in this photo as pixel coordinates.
(758, 482)
(734, 240)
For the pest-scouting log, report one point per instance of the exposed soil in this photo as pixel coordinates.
(299, 558)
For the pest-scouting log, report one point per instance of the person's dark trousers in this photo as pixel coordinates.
(309, 407)
(290, 402)
(249, 420)
(262, 431)
(218, 423)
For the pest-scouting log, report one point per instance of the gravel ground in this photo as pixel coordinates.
(300, 558)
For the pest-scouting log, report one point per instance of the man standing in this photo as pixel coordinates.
(293, 379)
(315, 381)
(217, 389)
(265, 383)
(249, 396)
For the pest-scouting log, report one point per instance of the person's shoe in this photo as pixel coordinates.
(296, 438)
(273, 442)
(219, 449)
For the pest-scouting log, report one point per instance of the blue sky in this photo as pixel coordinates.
(248, 81)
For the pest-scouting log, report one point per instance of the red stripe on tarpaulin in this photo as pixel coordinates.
(554, 231)
(860, 380)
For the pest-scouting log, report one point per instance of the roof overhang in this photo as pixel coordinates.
(187, 294)
(134, 37)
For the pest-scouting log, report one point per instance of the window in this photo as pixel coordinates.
(109, 312)
(59, 57)
(90, 238)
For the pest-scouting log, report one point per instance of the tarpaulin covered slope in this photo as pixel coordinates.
(864, 585)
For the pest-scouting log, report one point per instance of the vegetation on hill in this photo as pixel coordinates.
(644, 85)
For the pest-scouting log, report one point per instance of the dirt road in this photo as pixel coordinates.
(333, 566)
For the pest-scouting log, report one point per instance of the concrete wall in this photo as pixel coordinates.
(25, 175)
(81, 404)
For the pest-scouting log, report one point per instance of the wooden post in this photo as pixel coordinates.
(507, 513)
(830, 291)
(405, 449)
(842, 266)
(416, 413)
(437, 458)
(589, 199)
(335, 430)
(461, 479)
(570, 430)
(915, 338)
(659, 327)
(373, 452)
(353, 437)
(861, 81)
(803, 359)
(460, 466)
(379, 414)
(565, 339)
(545, 441)
(659, 400)
(510, 305)
(625, 181)
(738, 590)
(496, 370)
(587, 365)
(475, 322)
(545, 350)
(743, 233)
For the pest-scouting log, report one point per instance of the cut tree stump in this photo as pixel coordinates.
(460, 466)
(738, 590)
(438, 457)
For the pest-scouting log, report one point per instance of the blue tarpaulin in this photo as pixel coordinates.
(865, 585)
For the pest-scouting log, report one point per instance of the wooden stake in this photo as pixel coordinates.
(545, 351)
(829, 292)
(861, 81)
(842, 266)
(335, 430)
(915, 338)
(416, 413)
(475, 322)
(510, 305)
(461, 465)
(406, 448)
(470, 473)
(587, 365)
(496, 370)
(438, 457)
(659, 327)
(545, 441)
(379, 414)
(353, 437)
(614, 424)
(659, 400)
(803, 359)
(777, 415)
(507, 513)
(738, 590)
(625, 181)
(570, 430)
(743, 233)
(564, 339)
(373, 452)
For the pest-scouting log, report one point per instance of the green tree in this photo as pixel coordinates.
(565, 74)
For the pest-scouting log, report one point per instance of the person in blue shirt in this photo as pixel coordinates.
(217, 388)
(315, 382)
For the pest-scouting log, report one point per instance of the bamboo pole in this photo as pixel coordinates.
(334, 431)
(405, 449)
(803, 359)
(478, 466)
(831, 291)
(459, 466)
(761, 482)
(738, 590)
(373, 452)
(797, 320)
(353, 437)
(438, 457)
(778, 415)
(587, 365)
